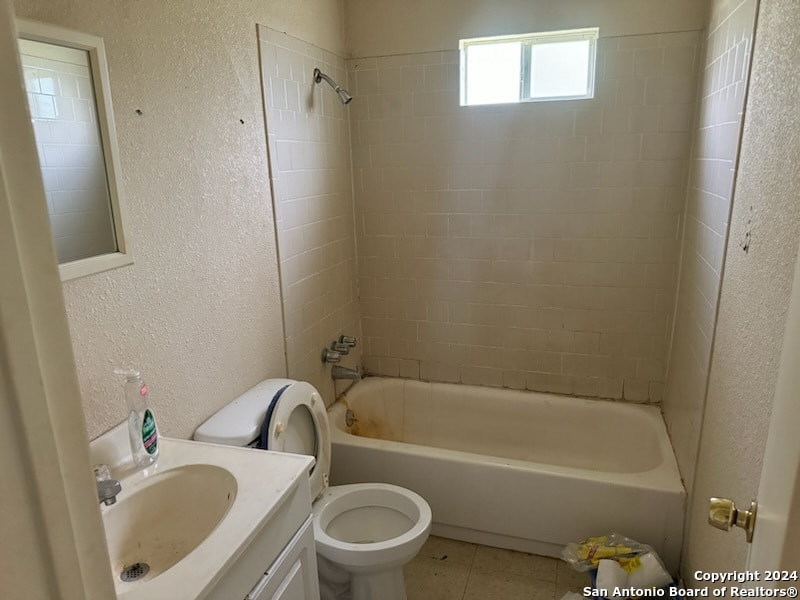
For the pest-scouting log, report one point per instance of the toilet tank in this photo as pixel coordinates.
(239, 422)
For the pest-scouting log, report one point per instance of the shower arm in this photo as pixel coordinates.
(343, 94)
(319, 75)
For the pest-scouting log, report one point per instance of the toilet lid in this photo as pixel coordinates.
(298, 423)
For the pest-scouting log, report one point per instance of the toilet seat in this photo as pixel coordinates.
(296, 421)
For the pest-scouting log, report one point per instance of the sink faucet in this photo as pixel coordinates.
(107, 488)
(338, 372)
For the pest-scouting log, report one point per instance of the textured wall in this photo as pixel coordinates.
(309, 145)
(755, 291)
(199, 311)
(384, 27)
(723, 88)
(527, 246)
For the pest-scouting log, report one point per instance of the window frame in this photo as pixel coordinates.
(527, 41)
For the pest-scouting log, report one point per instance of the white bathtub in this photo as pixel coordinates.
(518, 470)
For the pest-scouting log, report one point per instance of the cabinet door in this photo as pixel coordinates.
(293, 575)
(294, 586)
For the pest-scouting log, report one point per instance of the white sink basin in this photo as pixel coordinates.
(165, 518)
(190, 517)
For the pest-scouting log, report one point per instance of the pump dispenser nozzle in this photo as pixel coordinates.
(131, 374)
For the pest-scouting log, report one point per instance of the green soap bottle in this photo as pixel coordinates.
(142, 429)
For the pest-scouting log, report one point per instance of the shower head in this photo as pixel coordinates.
(343, 94)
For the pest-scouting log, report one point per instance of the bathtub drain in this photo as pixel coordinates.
(134, 572)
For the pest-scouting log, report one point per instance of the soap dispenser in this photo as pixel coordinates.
(142, 429)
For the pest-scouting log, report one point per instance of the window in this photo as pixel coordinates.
(557, 65)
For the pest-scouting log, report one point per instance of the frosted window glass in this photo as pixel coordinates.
(560, 69)
(551, 65)
(493, 73)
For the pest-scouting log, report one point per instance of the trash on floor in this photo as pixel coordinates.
(620, 567)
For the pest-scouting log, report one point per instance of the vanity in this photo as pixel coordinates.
(209, 522)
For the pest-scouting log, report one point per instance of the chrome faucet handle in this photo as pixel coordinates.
(107, 491)
(107, 488)
(349, 340)
(342, 349)
(330, 356)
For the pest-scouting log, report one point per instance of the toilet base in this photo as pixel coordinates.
(336, 583)
(386, 585)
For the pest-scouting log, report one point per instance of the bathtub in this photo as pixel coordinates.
(518, 470)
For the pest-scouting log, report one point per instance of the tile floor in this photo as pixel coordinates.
(451, 570)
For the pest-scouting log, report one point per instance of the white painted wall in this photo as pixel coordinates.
(755, 291)
(199, 311)
(383, 27)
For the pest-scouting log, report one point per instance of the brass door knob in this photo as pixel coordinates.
(723, 514)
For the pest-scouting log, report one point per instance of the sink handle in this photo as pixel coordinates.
(107, 489)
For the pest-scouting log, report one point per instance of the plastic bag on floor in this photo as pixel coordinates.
(621, 562)
(586, 554)
(614, 583)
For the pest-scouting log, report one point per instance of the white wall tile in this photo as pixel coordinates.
(534, 229)
(310, 172)
(708, 203)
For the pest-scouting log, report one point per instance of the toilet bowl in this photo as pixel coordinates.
(365, 532)
(371, 530)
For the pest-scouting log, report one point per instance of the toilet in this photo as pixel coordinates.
(365, 532)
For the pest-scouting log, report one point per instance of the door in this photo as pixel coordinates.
(48, 504)
(776, 539)
(752, 412)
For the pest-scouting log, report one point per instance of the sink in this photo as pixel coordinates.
(159, 521)
(192, 517)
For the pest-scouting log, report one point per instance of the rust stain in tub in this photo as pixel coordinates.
(369, 428)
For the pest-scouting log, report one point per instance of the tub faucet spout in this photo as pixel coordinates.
(338, 372)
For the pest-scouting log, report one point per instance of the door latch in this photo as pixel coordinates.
(723, 514)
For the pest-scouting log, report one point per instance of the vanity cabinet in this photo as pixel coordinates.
(293, 575)
(281, 562)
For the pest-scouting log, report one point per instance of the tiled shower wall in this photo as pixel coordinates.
(309, 154)
(715, 149)
(530, 246)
